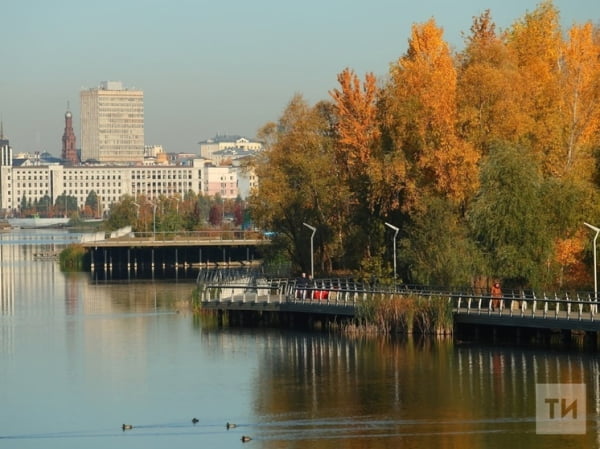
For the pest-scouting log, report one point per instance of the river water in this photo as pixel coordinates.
(80, 357)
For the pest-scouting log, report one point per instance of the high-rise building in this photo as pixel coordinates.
(3, 140)
(112, 124)
(5, 168)
(69, 151)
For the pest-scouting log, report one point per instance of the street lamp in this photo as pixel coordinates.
(597, 230)
(137, 212)
(395, 229)
(312, 260)
(153, 221)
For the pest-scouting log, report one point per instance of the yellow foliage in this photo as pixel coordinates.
(580, 100)
(425, 87)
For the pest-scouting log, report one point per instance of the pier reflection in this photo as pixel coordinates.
(318, 390)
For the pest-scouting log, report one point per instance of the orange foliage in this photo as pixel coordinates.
(568, 254)
(425, 84)
(568, 250)
(488, 93)
(581, 99)
(535, 42)
(357, 127)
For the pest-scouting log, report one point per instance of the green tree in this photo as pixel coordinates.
(122, 213)
(508, 216)
(66, 205)
(438, 249)
(43, 205)
(93, 203)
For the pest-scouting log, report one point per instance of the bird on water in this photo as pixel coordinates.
(245, 438)
(195, 420)
(127, 427)
(230, 425)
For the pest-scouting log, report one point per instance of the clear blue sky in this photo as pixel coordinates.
(208, 67)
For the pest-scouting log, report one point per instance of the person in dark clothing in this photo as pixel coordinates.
(300, 286)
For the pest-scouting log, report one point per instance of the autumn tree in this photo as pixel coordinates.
(488, 88)
(580, 101)
(535, 42)
(568, 202)
(298, 185)
(422, 119)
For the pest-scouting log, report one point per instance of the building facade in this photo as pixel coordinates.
(112, 124)
(221, 181)
(21, 185)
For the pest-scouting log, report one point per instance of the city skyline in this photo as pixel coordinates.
(208, 68)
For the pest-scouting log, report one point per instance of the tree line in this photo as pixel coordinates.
(189, 212)
(486, 159)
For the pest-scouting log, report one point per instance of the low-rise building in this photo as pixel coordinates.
(223, 142)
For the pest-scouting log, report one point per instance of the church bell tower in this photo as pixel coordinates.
(69, 152)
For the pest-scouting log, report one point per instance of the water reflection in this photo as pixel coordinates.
(322, 391)
(114, 352)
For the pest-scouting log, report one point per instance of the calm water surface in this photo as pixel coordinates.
(79, 358)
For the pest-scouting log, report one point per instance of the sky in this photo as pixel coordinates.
(211, 67)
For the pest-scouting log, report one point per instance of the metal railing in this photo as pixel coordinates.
(285, 290)
(209, 235)
(583, 306)
(347, 292)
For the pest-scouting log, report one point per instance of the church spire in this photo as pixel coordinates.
(69, 151)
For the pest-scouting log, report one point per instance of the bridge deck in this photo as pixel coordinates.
(277, 303)
(171, 242)
(549, 314)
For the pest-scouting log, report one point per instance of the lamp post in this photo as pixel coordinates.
(153, 221)
(395, 229)
(312, 260)
(597, 230)
(137, 211)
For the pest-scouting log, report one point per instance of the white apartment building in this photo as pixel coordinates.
(110, 183)
(112, 124)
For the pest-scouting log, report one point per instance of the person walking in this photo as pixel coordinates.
(496, 296)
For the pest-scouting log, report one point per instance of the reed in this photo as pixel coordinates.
(389, 313)
(71, 258)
